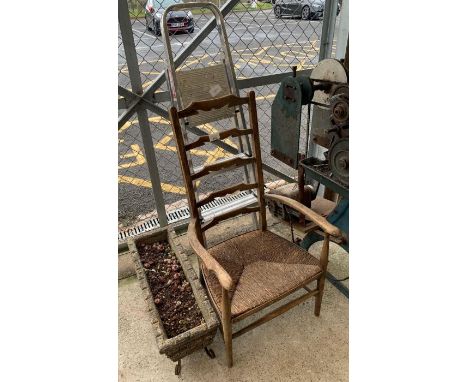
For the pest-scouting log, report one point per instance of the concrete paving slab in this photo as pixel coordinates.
(296, 346)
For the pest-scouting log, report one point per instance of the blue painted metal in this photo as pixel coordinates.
(311, 168)
(286, 113)
(340, 218)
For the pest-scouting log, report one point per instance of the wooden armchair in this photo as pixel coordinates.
(249, 272)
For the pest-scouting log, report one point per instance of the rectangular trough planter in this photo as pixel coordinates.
(196, 338)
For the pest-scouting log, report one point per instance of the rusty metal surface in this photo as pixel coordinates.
(331, 71)
(339, 110)
(338, 159)
(286, 113)
(340, 89)
(328, 90)
(321, 123)
(319, 170)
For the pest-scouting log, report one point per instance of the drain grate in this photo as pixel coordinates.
(217, 206)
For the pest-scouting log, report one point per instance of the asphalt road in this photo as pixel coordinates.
(260, 45)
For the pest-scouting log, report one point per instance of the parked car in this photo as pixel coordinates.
(177, 21)
(305, 9)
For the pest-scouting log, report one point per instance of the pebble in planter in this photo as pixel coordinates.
(181, 313)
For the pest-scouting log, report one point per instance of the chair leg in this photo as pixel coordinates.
(227, 327)
(323, 265)
(228, 342)
(318, 298)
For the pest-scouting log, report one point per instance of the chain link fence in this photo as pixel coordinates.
(264, 41)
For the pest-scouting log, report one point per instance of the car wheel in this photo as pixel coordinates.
(305, 14)
(156, 28)
(278, 12)
(148, 24)
(191, 30)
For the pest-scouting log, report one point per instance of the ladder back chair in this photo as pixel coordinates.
(251, 271)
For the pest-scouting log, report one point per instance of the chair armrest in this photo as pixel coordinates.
(209, 261)
(326, 226)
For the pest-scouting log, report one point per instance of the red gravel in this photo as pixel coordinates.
(172, 293)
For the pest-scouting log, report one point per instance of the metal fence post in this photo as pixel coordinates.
(328, 28)
(343, 31)
(137, 88)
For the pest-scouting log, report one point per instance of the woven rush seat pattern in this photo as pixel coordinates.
(249, 272)
(263, 266)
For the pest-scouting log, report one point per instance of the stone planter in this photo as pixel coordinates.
(194, 339)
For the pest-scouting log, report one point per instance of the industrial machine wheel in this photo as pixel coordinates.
(340, 89)
(339, 107)
(338, 159)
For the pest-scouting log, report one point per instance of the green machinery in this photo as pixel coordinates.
(327, 127)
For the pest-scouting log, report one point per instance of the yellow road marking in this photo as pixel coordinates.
(267, 96)
(146, 183)
(155, 119)
(201, 55)
(301, 64)
(261, 50)
(143, 72)
(135, 181)
(158, 119)
(126, 126)
(147, 83)
(137, 154)
(163, 144)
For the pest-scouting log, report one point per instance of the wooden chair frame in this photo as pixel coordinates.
(196, 229)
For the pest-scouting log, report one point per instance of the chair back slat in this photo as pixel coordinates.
(222, 165)
(255, 159)
(211, 104)
(218, 136)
